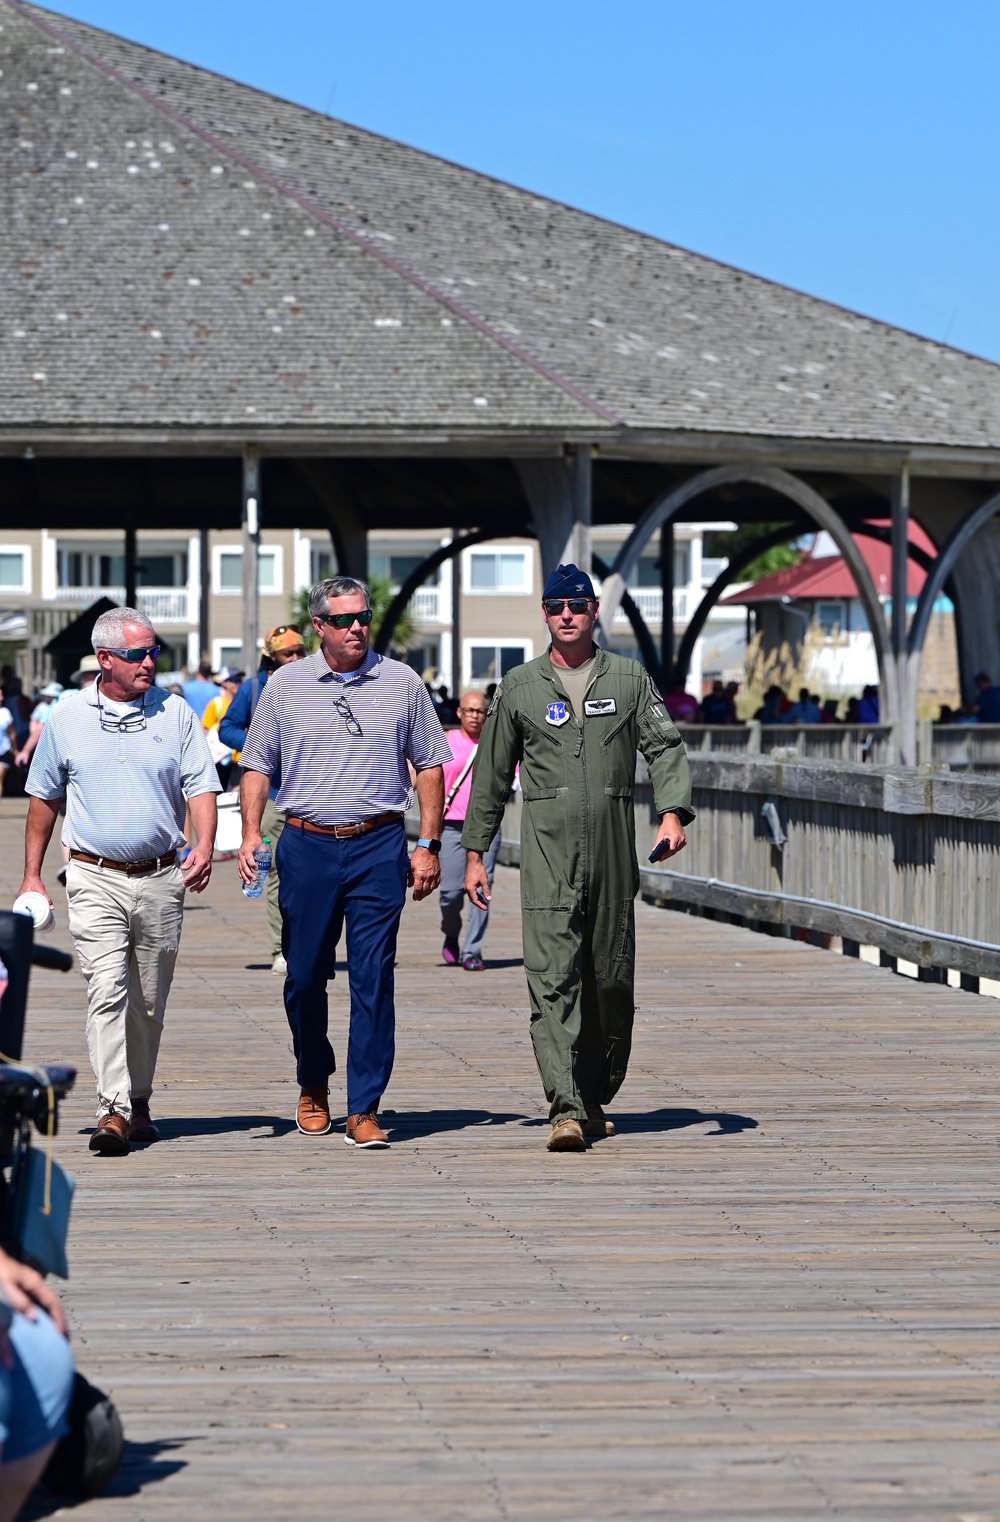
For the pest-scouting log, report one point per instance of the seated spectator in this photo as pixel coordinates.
(852, 716)
(946, 715)
(828, 714)
(680, 705)
(36, 1380)
(774, 706)
(805, 711)
(716, 707)
(868, 710)
(986, 705)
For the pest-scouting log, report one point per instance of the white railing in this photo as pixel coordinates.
(649, 601)
(426, 605)
(711, 567)
(165, 605)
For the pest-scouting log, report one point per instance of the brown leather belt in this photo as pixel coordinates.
(131, 868)
(342, 831)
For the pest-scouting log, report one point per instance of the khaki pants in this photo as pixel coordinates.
(272, 823)
(127, 931)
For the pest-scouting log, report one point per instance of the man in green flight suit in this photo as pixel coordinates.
(574, 719)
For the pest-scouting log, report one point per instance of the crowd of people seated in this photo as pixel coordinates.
(718, 706)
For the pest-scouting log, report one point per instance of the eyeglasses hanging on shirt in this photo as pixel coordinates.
(343, 707)
(121, 724)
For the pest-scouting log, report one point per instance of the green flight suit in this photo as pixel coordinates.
(579, 874)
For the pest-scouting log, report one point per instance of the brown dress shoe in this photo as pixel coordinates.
(597, 1125)
(365, 1131)
(313, 1113)
(566, 1135)
(111, 1137)
(141, 1128)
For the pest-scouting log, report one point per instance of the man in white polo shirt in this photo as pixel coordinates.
(342, 725)
(125, 755)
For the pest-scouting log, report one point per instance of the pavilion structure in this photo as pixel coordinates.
(222, 308)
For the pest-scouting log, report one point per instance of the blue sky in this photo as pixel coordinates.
(848, 149)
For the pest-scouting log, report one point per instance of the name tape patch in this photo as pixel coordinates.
(595, 706)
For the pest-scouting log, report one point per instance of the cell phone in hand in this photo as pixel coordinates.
(659, 851)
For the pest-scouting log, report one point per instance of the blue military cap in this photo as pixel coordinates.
(568, 581)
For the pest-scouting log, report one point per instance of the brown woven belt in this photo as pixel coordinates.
(342, 831)
(131, 868)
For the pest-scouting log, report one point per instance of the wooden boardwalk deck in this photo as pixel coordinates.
(773, 1295)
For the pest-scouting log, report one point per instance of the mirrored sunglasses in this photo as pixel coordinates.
(554, 605)
(346, 620)
(135, 653)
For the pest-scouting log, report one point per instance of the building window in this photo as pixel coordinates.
(396, 569)
(227, 652)
(832, 618)
(15, 568)
(322, 565)
(227, 570)
(487, 662)
(498, 572)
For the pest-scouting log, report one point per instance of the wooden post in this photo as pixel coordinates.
(204, 590)
(456, 621)
(131, 565)
(251, 553)
(906, 717)
(667, 613)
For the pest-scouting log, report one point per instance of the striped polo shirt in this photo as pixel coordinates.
(307, 720)
(124, 789)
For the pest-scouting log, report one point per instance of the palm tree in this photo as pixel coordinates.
(382, 592)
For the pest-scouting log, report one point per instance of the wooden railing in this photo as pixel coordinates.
(901, 858)
(961, 747)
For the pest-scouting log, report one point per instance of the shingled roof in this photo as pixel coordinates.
(181, 249)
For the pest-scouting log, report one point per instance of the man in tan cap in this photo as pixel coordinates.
(282, 645)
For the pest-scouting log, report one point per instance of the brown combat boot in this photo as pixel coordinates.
(313, 1113)
(566, 1135)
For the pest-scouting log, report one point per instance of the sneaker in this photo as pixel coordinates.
(111, 1137)
(597, 1125)
(473, 963)
(141, 1128)
(312, 1114)
(450, 951)
(279, 965)
(365, 1131)
(566, 1135)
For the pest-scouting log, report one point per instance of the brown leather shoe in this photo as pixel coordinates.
(597, 1125)
(313, 1113)
(111, 1137)
(566, 1135)
(141, 1128)
(365, 1131)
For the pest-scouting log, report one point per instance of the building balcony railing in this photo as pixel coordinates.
(164, 605)
(425, 606)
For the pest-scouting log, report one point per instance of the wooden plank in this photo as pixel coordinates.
(770, 1296)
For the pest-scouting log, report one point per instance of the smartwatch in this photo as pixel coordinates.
(434, 846)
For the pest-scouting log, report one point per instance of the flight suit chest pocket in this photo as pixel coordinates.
(618, 752)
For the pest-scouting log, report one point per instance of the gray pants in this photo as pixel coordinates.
(272, 824)
(452, 890)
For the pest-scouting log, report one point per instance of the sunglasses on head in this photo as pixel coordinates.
(346, 620)
(135, 653)
(554, 605)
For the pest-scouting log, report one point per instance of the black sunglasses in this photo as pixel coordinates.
(554, 606)
(346, 620)
(135, 654)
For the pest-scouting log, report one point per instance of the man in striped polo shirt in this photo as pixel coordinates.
(342, 725)
(125, 755)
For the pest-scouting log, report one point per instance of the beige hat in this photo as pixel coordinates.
(89, 666)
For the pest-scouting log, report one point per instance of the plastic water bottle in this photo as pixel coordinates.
(262, 856)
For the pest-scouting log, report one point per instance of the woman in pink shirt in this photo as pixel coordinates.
(472, 712)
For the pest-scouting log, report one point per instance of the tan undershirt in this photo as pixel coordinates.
(575, 680)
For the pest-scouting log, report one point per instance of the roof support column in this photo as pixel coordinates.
(667, 610)
(455, 570)
(251, 555)
(907, 715)
(560, 493)
(131, 563)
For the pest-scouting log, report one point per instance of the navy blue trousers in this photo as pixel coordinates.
(326, 883)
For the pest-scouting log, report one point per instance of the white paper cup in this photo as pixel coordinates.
(37, 907)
